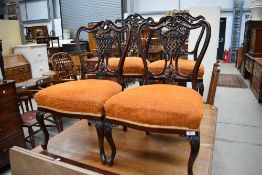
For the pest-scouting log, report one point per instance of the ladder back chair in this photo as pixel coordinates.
(163, 108)
(83, 99)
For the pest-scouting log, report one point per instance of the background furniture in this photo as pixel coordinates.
(2, 63)
(52, 42)
(35, 31)
(36, 54)
(17, 68)
(248, 45)
(256, 84)
(11, 133)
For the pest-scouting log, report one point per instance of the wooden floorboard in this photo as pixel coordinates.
(137, 153)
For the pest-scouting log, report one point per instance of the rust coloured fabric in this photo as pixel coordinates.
(185, 67)
(162, 105)
(132, 65)
(82, 96)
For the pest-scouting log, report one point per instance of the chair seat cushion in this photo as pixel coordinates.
(157, 105)
(132, 65)
(185, 67)
(84, 97)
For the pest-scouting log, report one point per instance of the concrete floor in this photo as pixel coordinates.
(238, 145)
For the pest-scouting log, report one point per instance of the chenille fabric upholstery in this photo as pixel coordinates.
(158, 105)
(82, 97)
(132, 65)
(185, 67)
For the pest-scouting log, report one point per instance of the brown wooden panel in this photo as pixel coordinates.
(8, 108)
(17, 140)
(21, 77)
(17, 70)
(10, 126)
(6, 91)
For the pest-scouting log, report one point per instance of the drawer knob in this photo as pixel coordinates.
(21, 69)
(3, 91)
(1, 130)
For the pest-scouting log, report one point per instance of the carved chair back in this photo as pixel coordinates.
(173, 31)
(135, 24)
(107, 36)
(63, 66)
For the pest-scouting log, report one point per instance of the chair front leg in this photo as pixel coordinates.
(108, 134)
(99, 124)
(40, 120)
(194, 140)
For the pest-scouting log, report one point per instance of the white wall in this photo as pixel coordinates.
(212, 15)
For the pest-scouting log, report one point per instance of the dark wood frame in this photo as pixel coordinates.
(185, 24)
(105, 33)
(193, 23)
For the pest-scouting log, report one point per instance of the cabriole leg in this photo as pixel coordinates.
(108, 134)
(99, 124)
(40, 120)
(194, 141)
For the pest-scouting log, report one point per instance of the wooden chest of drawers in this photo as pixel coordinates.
(11, 133)
(256, 84)
(17, 68)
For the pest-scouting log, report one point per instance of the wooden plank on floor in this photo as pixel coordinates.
(137, 153)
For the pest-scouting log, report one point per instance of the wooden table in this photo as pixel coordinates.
(137, 153)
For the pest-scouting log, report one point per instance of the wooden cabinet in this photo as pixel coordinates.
(36, 54)
(11, 132)
(256, 42)
(256, 84)
(17, 68)
(250, 43)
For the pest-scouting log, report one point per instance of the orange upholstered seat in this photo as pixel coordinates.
(185, 67)
(84, 97)
(157, 105)
(132, 65)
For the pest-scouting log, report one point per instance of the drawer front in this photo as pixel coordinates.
(17, 70)
(39, 68)
(17, 140)
(257, 71)
(256, 83)
(10, 126)
(8, 108)
(39, 54)
(7, 91)
(21, 77)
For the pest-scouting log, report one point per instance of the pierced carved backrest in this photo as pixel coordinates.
(173, 31)
(108, 44)
(63, 65)
(135, 24)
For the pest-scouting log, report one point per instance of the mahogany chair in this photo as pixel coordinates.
(135, 51)
(163, 108)
(105, 51)
(83, 99)
(158, 70)
(29, 117)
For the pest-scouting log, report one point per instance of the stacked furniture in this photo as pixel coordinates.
(17, 68)
(36, 54)
(11, 132)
